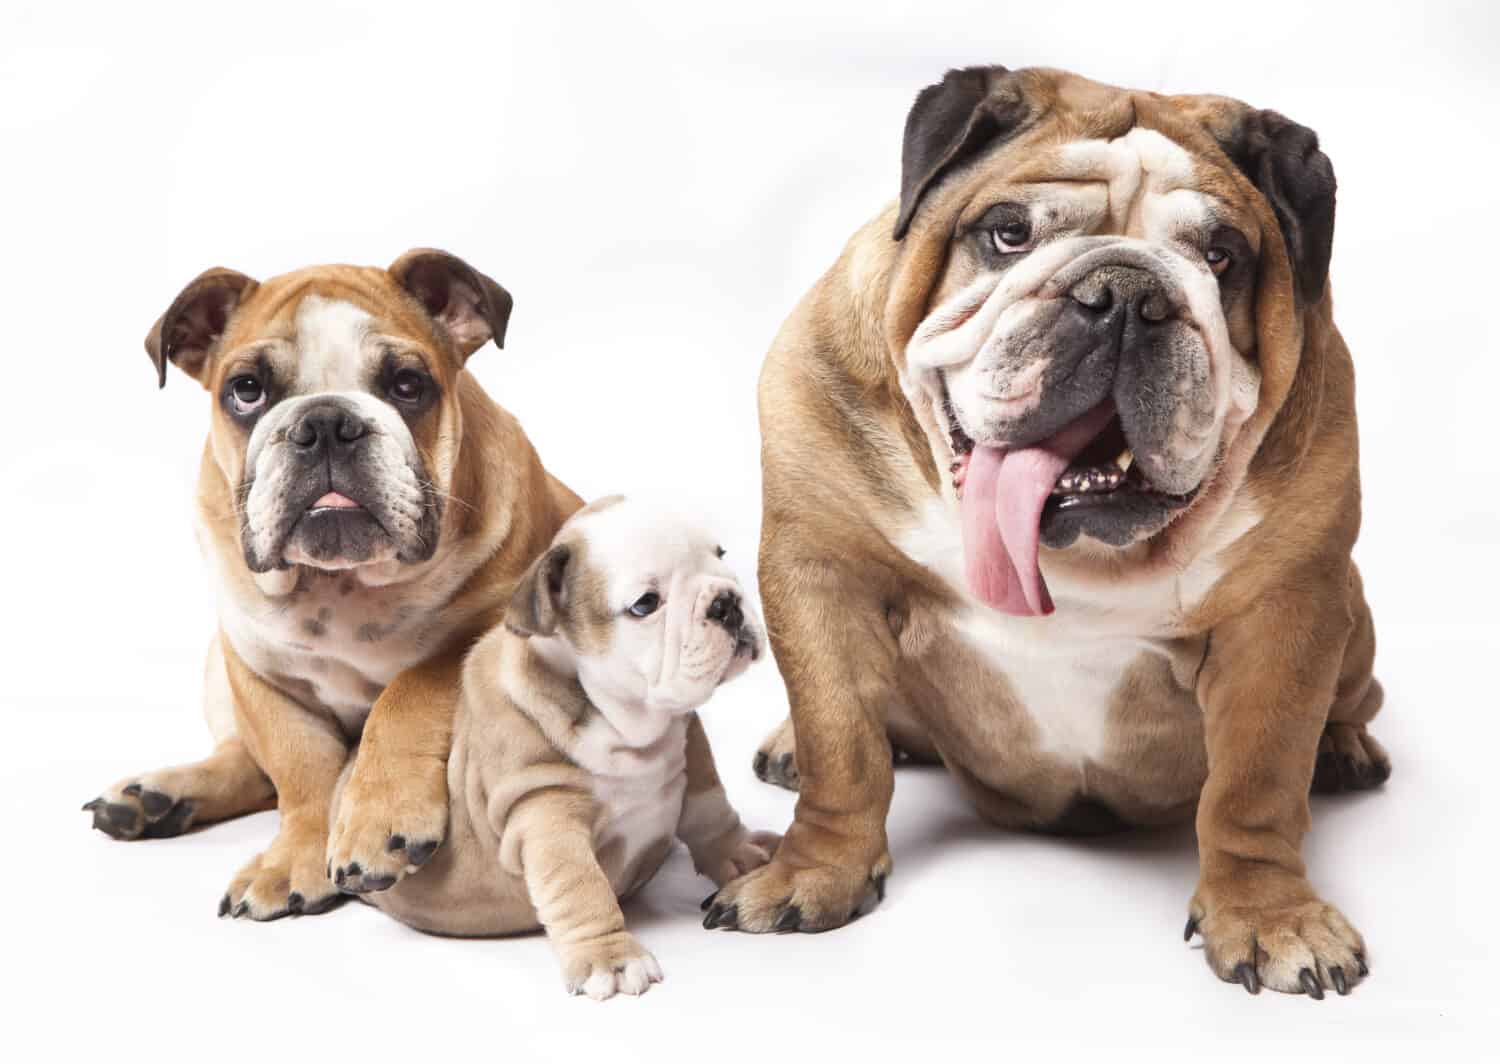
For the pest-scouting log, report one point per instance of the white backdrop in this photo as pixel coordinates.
(657, 185)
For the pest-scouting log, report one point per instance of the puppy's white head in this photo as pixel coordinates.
(642, 605)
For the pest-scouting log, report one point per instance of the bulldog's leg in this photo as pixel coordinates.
(393, 811)
(167, 802)
(837, 657)
(302, 753)
(1266, 687)
(550, 835)
(722, 847)
(1349, 757)
(776, 757)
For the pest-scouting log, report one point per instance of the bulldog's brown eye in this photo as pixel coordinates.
(247, 394)
(408, 386)
(646, 605)
(1010, 236)
(1218, 259)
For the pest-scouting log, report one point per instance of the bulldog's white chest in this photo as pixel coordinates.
(639, 790)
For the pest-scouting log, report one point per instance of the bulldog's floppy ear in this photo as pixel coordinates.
(467, 304)
(541, 597)
(1282, 160)
(192, 325)
(950, 123)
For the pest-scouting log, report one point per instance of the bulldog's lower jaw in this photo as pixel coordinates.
(384, 829)
(789, 895)
(1297, 944)
(288, 879)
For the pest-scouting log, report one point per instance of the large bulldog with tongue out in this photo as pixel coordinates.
(1060, 487)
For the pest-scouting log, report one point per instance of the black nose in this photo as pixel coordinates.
(326, 425)
(1107, 292)
(725, 610)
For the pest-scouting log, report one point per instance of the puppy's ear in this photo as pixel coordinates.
(950, 123)
(186, 334)
(469, 306)
(542, 596)
(1283, 161)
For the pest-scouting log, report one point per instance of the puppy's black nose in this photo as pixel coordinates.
(725, 610)
(326, 425)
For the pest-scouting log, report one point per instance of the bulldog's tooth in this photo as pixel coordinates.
(1123, 460)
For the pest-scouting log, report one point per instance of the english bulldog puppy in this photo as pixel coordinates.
(367, 512)
(1060, 484)
(577, 753)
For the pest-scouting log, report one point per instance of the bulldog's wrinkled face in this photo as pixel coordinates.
(1089, 262)
(336, 417)
(645, 605)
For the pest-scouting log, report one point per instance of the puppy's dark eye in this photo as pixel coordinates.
(408, 386)
(646, 605)
(246, 394)
(1218, 259)
(1011, 236)
(718, 552)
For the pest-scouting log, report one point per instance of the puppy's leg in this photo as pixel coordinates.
(1349, 757)
(1265, 688)
(837, 656)
(393, 811)
(722, 847)
(549, 835)
(167, 802)
(302, 753)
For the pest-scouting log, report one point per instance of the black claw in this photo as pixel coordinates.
(92, 804)
(1190, 930)
(725, 916)
(352, 869)
(294, 903)
(880, 888)
(155, 803)
(394, 843)
(224, 905)
(1339, 982)
(1245, 973)
(789, 920)
(706, 902)
(1309, 980)
(762, 763)
(328, 870)
(421, 852)
(338, 877)
(241, 909)
(133, 790)
(1364, 969)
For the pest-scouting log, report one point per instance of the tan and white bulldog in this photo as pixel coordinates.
(367, 511)
(1060, 485)
(578, 755)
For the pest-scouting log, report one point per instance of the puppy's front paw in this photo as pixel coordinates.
(287, 880)
(604, 967)
(387, 825)
(1297, 946)
(735, 853)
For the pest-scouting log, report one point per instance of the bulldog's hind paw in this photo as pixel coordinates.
(776, 760)
(139, 808)
(286, 880)
(1349, 759)
(615, 964)
(780, 897)
(1302, 948)
(384, 830)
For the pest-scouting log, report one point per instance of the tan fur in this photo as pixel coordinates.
(1259, 651)
(409, 625)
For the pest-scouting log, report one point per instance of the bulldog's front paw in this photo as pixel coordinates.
(286, 880)
(1349, 759)
(141, 808)
(615, 964)
(1299, 946)
(385, 827)
(735, 853)
(784, 897)
(776, 760)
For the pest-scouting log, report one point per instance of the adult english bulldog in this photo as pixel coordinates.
(367, 511)
(1060, 486)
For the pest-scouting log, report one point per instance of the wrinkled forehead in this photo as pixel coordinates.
(637, 547)
(1139, 182)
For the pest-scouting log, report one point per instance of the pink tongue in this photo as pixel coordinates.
(334, 501)
(1001, 511)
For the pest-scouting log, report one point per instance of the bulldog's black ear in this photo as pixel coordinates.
(541, 596)
(467, 304)
(192, 325)
(1282, 160)
(951, 122)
